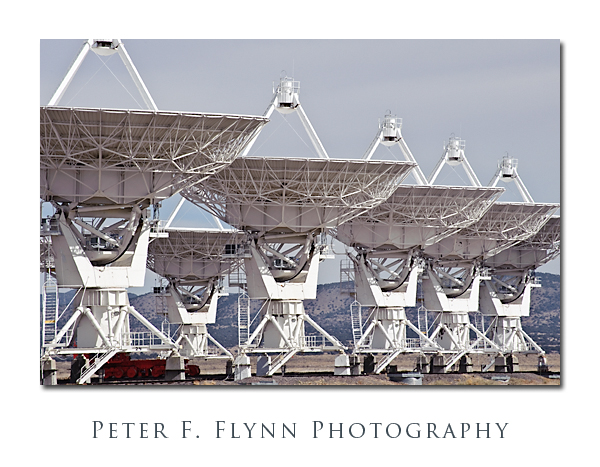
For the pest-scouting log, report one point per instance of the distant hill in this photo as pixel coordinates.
(331, 310)
(543, 324)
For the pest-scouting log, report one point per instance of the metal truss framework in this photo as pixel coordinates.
(286, 100)
(454, 155)
(100, 156)
(104, 47)
(296, 195)
(417, 216)
(502, 226)
(284, 204)
(390, 134)
(507, 172)
(194, 255)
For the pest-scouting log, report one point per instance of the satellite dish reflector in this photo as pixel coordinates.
(417, 216)
(194, 255)
(501, 227)
(120, 157)
(531, 253)
(289, 195)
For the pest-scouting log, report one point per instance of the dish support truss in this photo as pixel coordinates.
(286, 100)
(507, 172)
(104, 47)
(390, 134)
(285, 205)
(389, 240)
(194, 262)
(457, 272)
(101, 169)
(454, 155)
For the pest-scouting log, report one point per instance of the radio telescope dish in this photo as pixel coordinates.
(193, 262)
(92, 157)
(531, 253)
(501, 227)
(455, 262)
(283, 204)
(416, 216)
(456, 272)
(194, 255)
(288, 195)
(388, 241)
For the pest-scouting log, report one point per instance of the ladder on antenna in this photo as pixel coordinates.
(243, 318)
(96, 363)
(356, 320)
(478, 321)
(422, 323)
(49, 310)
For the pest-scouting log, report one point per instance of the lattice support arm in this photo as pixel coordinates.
(471, 173)
(416, 171)
(523, 190)
(436, 171)
(85, 48)
(137, 79)
(311, 133)
(374, 144)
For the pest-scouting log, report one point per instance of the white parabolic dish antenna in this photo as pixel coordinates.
(193, 256)
(506, 297)
(531, 253)
(103, 157)
(101, 169)
(502, 226)
(417, 216)
(289, 195)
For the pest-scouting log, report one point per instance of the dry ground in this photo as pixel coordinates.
(317, 370)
